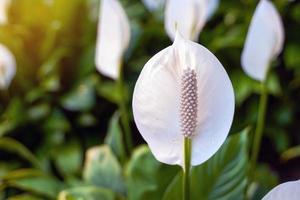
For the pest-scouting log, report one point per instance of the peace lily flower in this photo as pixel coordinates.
(189, 15)
(183, 92)
(7, 67)
(113, 38)
(153, 5)
(3, 10)
(289, 191)
(264, 40)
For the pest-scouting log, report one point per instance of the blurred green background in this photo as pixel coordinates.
(58, 106)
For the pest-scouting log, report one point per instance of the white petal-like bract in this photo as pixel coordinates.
(285, 191)
(264, 40)
(157, 96)
(212, 7)
(188, 16)
(153, 5)
(7, 67)
(3, 11)
(113, 38)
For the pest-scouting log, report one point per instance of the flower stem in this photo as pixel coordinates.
(187, 168)
(259, 130)
(124, 112)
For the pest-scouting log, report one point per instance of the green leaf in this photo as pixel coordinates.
(24, 197)
(81, 97)
(265, 180)
(148, 178)
(68, 158)
(102, 169)
(223, 177)
(13, 146)
(11, 117)
(33, 181)
(39, 111)
(114, 138)
(110, 91)
(86, 193)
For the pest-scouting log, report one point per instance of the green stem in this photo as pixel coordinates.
(259, 131)
(124, 113)
(187, 168)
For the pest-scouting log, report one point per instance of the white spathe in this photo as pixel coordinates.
(112, 39)
(264, 40)
(285, 191)
(189, 16)
(153, 5)
(156, 102)
(7, 67)
(212, 7)
(3, 10)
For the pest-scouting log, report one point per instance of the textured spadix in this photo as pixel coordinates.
(3, 10)
(158, 102)
(285, 191)
(113, 38)
(264, 40)
(7, 67)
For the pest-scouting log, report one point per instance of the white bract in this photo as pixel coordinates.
(212, 7)
(7, 67)
(113, 38)
(3, 11)
(183, 90)
(153, 5)
(189, 16)
(264, 40)
(285, 191)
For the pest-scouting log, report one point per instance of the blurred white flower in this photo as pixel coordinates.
(153, 5)
(264, 40)
(187, 16)
(7, 67)
(190, 16)
(285, 191)
(113, 38)
(183, 91)
(212, 7)
(3, 10)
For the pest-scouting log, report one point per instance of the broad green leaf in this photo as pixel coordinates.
(148, 178)
(86, 193)
(81, 97)
(33, 181)
(11, 116)
(39, 111)
(68, 158)
(114, 138)
(101, 168)
(24, 197)
(13, 146)
(291, 55)
(56, 123)
(87, 120)
(223, 177)
(109, 91)
(265, 180)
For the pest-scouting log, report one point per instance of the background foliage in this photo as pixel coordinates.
(60, 135)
